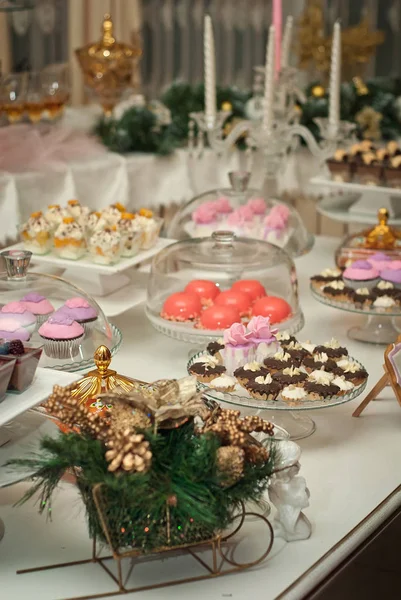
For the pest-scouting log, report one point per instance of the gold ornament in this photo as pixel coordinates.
(358, 43)
(226, 106)
(381, 237)
(107, 66)
(360, 86)
(128, 452)
(318, 91)
(369, 120)
(230, 462)
(102, 379)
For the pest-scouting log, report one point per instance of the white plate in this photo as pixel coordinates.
(15, 404)
(87, 264)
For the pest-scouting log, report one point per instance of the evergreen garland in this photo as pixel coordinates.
(183, 468)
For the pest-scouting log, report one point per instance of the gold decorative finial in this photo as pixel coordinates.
(381, 237)
(102, 379)
(107, 30)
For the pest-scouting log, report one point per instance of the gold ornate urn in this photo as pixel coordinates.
(107, 66)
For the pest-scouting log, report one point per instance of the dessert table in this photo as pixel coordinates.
(348, 464)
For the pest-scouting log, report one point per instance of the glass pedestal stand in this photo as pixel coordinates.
(376, 330)
(298, 425)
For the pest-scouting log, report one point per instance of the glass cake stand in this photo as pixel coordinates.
(378, 327)
(290, 418)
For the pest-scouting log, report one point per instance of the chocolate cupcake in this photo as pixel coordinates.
(326, 276)
(277, 362)
(352, 371)
(320, 391)
(297, 352)
(363, 298)
(340, 166)
(319, 360)
(346, 386)
(284, 338)
(293, 395)
(332, 349)
(206, 371)
(370, 170)
(249, 371)
(263, 388)
(291, 375)
(214, 348)
(385, 288)
(337, 290)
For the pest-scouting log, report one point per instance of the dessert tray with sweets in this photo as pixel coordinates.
(256, 368)
(371, 287)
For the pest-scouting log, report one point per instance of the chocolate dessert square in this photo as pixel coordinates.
(340, 171)
(24, 368)
(369, 174)
(6, 371)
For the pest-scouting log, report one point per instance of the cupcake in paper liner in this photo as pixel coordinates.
(79, 310)
(10, 329)
(61, 336)
(19, 312)
(223, 383)
(36, 234)
(131, 233)
(38, 305)
(69, 239)
(151, 227)
(361, 274)
(105, 246)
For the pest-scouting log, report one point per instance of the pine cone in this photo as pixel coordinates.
(230, 463)
(128, 452)
(123, 416)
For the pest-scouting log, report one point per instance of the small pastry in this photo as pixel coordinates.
(380, 261)
(10, 329)
(240, 301)
(206, 290)
(25, 361)
(263, 338)
(385, 288)
(132, 238)
(223, 383)
(293, 394)
(112, 214)
(69, 239)
(62, 336)
(239, 347)
(363, 297)
(263, 387)
(336, 290)
(384, 304)
(274, 307)
(296, 351)
(214, 349)
(19, 312)
(393, 148)
(340, 167)
(36, 234)
(321, 376)
(277, 362)
(392, 276)
(252, 287)
(55, 215)
(223, 206)
(319, 361)
(326, 276)
(105, 246)
(38, 305)
(206, 371)
(309, 347)
(319, 385)
(345, 385)
(80, 311)
(284, 338)
(291, 375)
(150, 226)
(206, 358)
(361, 274)
(94, 222)
(352, 371)
(181, 307)
(218, 317)
(78, 212)
(258, 206)
(249, 371)
(333, 349)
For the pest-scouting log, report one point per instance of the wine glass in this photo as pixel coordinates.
(56, 89)
(13, 95)
(34, 104)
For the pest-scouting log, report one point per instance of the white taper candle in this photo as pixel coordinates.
(335, 79)
(287, 40)
(268, 104)
(210, 71)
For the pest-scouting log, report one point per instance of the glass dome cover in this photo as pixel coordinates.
(246, 213)
(224, 260)
(16, 283)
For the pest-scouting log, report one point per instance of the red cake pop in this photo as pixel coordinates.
(206, 290)
(252, 287)
(272, 306)
(181, 307)
(238, 300)
(219, 317)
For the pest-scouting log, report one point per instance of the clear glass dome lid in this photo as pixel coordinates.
(49, 312)
(245, 212)
(199, 287)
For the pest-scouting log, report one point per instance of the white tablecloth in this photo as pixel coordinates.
(135, 180)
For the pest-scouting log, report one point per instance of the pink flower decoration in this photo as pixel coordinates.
(237, 335)
(246, 213)
(260, 329)
(236, 219)
(257, 205)
(223, 206)
(204, 214)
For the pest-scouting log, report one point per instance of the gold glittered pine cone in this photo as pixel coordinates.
(230, 463)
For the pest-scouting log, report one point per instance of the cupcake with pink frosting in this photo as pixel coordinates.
(361, 273)
(239, 347)
(257, 205)
(394, 264)
(61, 335)
(223, 206)
(263, 337)
(205, 220)
(80, 311)
(11, 329)
(38, 305)
(19, 313)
